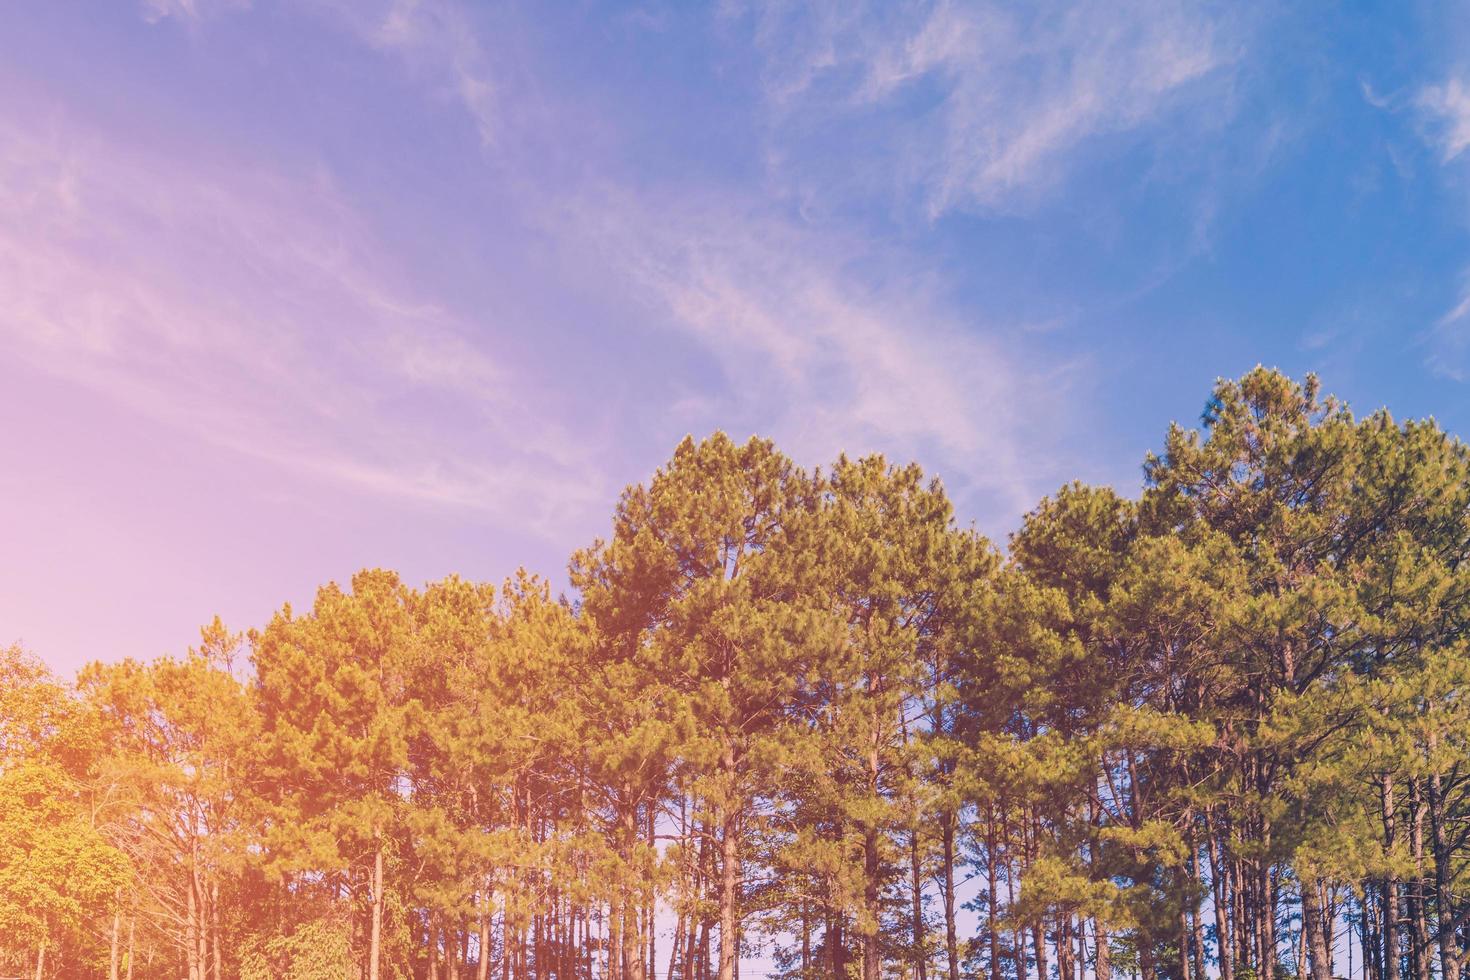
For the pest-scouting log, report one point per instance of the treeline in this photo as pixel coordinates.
(1220, 730)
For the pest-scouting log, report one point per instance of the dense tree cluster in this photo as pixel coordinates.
(1221, 730)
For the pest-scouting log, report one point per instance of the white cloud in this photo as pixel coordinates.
(991, 100)
(822, 361)
(258, 313)
(1447, 108)
(189, 11)
(1449, 338)
(811, 353)
(1445, 112)
(1460, 313)
(435, 37)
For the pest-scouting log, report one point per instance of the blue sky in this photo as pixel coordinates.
(292, 288)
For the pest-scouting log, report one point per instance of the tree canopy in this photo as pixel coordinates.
(1216, 729)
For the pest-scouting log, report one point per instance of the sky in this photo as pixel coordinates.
(290, 288)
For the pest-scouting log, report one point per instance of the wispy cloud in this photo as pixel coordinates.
(1446, 108)
(811, 352)
(1444, 111)
(256, 311)
(435, 38)
(185, 10)
(1449, 338)
(993, 100)
(822, 359)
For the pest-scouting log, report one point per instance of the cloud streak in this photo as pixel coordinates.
(811, 353)
(988, 103)
(807, 350)
(1447, 109)
(1444, 111)
(256, 312)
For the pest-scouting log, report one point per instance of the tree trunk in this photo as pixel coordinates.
(375, 945)
(116, 941)
(951, 934)
(1390, 882)
(191, 935)
(1267, 915)
(838, 949)
(482, 970)
(202, 935)
(1185, 966)
(41, 960)
(871, 912)
(1102, 956)
(1420, 956)
(1219, 881)
(219, 965)
(916, 873)
(1449, 952)
(729, 886)
(631, 932)
(1317, 955)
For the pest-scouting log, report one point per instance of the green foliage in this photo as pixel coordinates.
(1207, 730)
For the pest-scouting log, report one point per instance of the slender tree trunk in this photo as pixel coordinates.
(1030, 833)
(1449, 951)
(704, 949)
(191, 936)
(1084, 945)
(651, 909)
(1390, 900)
(806, 940)
(1195, 927)
(482, 969)
(1102, 955)
(633, 962)
(1146, 966)
(1420, 956)
(1065, 950)
(1018, 940)
(871, 928)
(375, 945)
(202, 935)
(839, 948)
(1301, 949)
(1267, 929)
(1312, 916)
(871, 870)
(507, 941)
(219, 963)
(992, 917)
(1185, 965)
(916, 873)
(1235, 884)
(1371, 937)
(951, 932)
(116, 941)
(41, 960)
(729, 885)
(1219, 881)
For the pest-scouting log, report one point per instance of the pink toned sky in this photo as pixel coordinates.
(294, 287)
